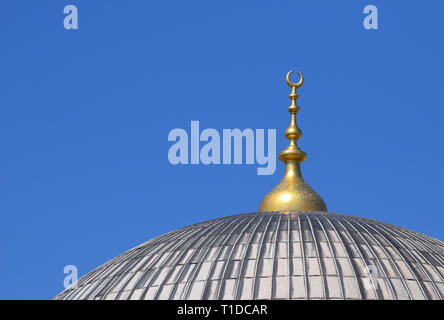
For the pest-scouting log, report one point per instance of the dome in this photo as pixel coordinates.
(293, 248)
(274, 255)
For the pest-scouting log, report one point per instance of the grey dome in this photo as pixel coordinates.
(302, 255)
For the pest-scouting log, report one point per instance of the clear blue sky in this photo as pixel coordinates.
(85, 115)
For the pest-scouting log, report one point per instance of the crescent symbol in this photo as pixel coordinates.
(295, 85)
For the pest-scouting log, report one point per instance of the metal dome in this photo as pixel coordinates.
(272, 255)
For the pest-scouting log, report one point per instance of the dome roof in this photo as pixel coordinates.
(272, 255)
(293, 248)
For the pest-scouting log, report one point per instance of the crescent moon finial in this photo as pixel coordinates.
(294, 85)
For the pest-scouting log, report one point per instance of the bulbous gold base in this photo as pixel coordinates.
(292, 193)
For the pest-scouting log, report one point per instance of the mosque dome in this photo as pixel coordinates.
(293, 248)
(274, 255)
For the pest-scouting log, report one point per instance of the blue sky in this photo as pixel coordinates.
(85, 115)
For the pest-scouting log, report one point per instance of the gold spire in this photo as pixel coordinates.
(292, 193)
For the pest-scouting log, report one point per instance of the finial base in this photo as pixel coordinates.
(292, 193)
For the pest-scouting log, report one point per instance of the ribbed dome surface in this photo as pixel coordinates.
(303, 255)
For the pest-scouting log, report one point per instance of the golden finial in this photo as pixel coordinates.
(292, 193)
